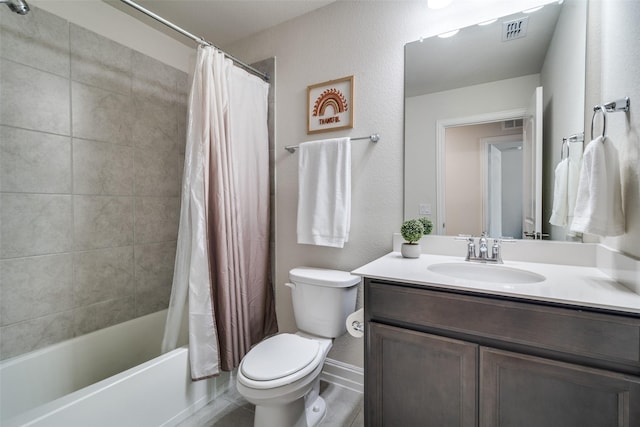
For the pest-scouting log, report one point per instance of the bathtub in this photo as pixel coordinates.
(111, 377)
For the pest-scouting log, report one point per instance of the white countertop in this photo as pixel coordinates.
(565, 284)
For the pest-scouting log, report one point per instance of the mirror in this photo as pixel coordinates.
(472, 163)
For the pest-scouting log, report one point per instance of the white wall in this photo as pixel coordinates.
(365, 39)
(613, 70)
(422, 113)
(563, 80)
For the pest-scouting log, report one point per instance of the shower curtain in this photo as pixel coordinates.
(221, 273)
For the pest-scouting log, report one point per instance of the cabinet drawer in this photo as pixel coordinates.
(596, 336)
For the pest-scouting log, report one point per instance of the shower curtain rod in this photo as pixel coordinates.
(200, 40)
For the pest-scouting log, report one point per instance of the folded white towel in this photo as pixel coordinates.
(324, 192)
(599, 199)
(560, 194)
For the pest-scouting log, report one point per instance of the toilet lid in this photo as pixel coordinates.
(278, 357)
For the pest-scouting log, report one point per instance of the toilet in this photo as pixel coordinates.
(281, 375)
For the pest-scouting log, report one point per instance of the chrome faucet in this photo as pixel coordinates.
(482, 247)
(483, 254)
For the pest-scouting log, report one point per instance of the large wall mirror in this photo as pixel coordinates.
(486, 111)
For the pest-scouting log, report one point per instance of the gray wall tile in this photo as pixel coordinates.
(182, 126)
(156, 219)
(102, 274)
(180, 171)
(34, 162)
(39, 39)
(155, 124)
(34, 287)
(154, 79)
(183, 109)
(104, 314)
(30, 335)
(85, 192)
(98, 61)
(101, 115)
(154, 276)
(156, 173)
(183, 87)
(102, 222)
(34, 224)
(33, 99)
(102, 168)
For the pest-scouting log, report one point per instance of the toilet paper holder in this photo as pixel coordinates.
(358, 326)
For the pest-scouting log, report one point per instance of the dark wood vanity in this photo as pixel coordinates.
(438, 357)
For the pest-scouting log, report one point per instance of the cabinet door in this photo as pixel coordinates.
(417, 379)
(523, 391)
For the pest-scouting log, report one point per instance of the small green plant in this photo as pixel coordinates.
(412, 230)
(426, 224)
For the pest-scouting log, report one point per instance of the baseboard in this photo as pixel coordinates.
(343, 374)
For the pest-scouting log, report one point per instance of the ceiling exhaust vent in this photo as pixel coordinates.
(512, 124)
(515, 29)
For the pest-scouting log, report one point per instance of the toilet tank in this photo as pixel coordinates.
(322, 299)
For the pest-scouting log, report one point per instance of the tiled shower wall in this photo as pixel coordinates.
(91, 153)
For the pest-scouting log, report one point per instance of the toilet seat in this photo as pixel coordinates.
(280, 360)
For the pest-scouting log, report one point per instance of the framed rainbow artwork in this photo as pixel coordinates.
(330, 105)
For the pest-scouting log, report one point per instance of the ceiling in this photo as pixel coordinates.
(220, 22)
(478, 55)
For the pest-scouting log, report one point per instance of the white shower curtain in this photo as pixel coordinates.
(221, 210)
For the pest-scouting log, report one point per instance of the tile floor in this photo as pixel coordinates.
(344, 409)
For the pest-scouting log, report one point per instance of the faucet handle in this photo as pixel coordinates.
(471, 248)
(495, 251)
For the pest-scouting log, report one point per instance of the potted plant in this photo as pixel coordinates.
(426, 224)
(411, 231)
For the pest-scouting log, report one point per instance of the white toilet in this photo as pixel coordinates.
(281, 375)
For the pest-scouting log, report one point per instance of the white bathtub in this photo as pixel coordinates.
(111, 377)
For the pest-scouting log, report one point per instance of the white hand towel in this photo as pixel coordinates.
(573, 179)
(560, 194)
(599, 200)
(324, 192)
(573, 176)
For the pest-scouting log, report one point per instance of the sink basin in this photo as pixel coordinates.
(486, 273)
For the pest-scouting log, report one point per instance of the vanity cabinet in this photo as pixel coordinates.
(415, 377)
(436, 357)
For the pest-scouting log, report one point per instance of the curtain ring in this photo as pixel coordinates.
(602, 109)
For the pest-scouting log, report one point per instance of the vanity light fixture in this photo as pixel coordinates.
(533, 9)
(438, 4)
(448, 34)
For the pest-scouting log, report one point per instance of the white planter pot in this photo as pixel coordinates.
(411, 250)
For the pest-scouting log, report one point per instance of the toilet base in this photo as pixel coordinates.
(316, 412)
(306, 411)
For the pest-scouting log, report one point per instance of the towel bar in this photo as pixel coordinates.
(373, 138)
(609, 107)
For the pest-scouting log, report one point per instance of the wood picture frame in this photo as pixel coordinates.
(330, 105)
